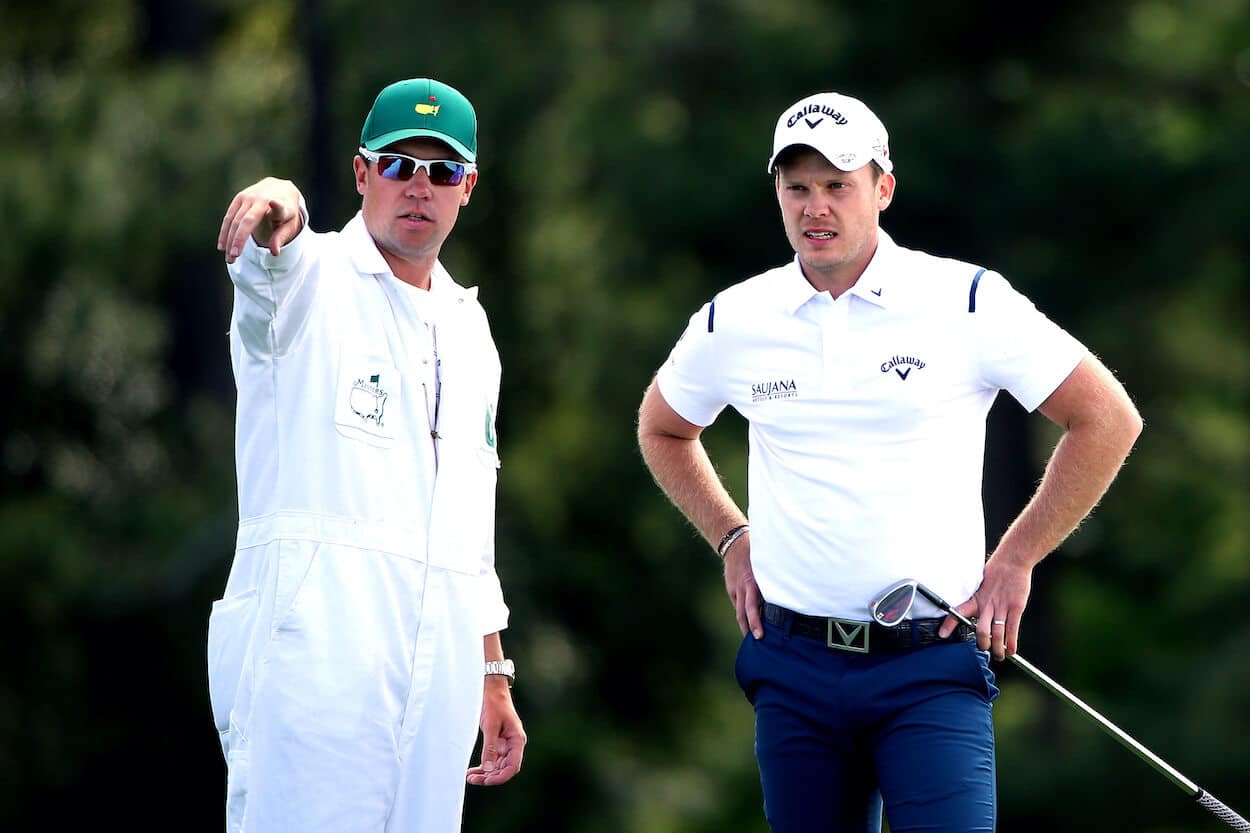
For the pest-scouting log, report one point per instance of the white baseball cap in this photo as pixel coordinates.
(840, 128)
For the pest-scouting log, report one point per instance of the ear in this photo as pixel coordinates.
(885, 191)
(361, 169)
(778, 185)
(469, 182)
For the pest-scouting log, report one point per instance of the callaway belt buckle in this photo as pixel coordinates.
(847, 635)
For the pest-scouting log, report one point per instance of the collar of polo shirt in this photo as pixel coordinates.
(872, 286)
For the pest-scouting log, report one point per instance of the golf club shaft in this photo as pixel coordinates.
(1115, 731)
(1111, 729)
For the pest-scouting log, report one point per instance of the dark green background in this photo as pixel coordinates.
(1093, 152)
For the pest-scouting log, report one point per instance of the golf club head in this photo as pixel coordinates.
(893, 604)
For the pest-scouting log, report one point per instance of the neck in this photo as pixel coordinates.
(839, 278)
(415, 272)
(835, 285)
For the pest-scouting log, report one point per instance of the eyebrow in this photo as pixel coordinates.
(840, 176)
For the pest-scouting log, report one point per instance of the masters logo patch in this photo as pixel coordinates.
(368, 399)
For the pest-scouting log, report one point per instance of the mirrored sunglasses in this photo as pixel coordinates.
(402, 168)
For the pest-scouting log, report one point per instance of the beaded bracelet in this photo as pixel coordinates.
(731, 536)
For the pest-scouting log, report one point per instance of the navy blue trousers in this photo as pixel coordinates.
(841, 736)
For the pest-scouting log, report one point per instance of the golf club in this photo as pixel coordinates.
(891, 608)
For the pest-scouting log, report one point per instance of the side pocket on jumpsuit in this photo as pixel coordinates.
(230, 626)
(295, 564)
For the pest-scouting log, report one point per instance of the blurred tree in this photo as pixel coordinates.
(119, 123)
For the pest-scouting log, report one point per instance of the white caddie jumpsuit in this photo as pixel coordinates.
(345, 657)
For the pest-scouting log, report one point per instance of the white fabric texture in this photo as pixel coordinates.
(866, 418)
(345, 657)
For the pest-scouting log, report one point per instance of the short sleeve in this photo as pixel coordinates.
(690, 379)
(1020, 350)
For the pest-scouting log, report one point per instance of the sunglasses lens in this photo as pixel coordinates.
(396, 167)
(893, 606)
(446, 173)
(404, 168)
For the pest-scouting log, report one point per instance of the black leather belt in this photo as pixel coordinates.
(864, 637)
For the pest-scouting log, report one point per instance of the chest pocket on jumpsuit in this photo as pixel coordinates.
(368, 398)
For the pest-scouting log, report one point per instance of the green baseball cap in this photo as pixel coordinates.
(421, 107)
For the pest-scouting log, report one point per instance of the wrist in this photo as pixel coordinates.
(1013, 559)
(730, 538)
(497, 686)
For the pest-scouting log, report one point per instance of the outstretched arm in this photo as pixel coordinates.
(679, 463)
(1100, 426)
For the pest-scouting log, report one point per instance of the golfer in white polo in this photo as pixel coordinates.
(865, 371)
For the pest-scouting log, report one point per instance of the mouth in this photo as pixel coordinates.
(416, 217)
(814, 234)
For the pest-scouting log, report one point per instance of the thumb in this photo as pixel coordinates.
(490, 743)
(280, 211)
(285, 224)
(490, 754)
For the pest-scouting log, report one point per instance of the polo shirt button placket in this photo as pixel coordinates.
(834, 335)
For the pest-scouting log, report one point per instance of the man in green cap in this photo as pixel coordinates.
(356, 648)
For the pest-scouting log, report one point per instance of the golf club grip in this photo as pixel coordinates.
(1222, 811)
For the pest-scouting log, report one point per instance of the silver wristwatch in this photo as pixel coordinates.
(504, 668)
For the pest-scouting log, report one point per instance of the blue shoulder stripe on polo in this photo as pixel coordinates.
(711, 314)
(972, 293)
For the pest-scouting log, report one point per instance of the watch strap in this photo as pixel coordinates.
(502, 668)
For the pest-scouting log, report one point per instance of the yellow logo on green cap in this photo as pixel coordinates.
(427, 109)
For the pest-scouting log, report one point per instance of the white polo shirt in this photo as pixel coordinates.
(343, 373)
(867, 418)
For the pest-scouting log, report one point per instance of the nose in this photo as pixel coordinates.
(816, 207)
(419, 186)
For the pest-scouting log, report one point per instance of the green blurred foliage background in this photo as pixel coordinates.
(1094, 153)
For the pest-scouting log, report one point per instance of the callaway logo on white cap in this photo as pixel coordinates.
(841, 128)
